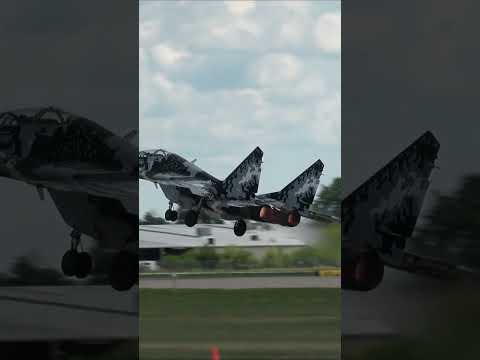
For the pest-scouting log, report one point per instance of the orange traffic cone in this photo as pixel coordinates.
(215, 351)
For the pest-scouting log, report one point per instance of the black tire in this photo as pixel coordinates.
(173, 215)
(240, 227)
(191, 218)
(168, 215)
(69, 262)
(84, 265)
(124, 271)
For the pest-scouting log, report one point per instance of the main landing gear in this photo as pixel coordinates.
(124, 270)
(240, 227)
(170, 214)
(75, 263)
(191, 218)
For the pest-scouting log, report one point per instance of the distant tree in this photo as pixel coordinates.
(208, 257)
(26, 272)
(237, 257)
(275, 258)
(453, 224)
(329, 200)
(151, 218)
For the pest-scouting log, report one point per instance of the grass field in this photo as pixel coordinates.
(244, 324)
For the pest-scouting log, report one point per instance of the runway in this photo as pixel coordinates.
(55, 313)
(243, 282)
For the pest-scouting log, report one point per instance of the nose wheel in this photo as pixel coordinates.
(75, 263)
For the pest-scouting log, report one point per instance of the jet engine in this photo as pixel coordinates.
(362, 273)
(274, 216)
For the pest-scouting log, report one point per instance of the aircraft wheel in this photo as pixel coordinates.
(69, 262)
(173, 215)
(191, 218)
(168, 215)
(240, 227)
(124, 270)
(84, 265)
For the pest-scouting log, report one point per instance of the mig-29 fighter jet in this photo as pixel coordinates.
(90, 173)
(234, 198)
(187, 185)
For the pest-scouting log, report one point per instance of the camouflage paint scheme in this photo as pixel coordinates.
(234, 198)
(169, 169)
(297, 195)
(90, 172)
(381, 214)
(186, 184)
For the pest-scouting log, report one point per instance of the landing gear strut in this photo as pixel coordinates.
(76, 263)
(170, 214)
(240, 227)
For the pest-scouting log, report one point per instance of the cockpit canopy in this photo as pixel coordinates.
(148, 157)
(159, 152)
(48, 114)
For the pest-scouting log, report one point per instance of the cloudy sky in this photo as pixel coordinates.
(219, 78)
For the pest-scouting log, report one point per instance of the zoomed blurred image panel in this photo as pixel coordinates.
(410, 257)
(69, 180)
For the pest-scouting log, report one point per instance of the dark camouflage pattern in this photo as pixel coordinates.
(381, 214)
(169, 169)
(68, 154)
(242, 183)
(300, 193)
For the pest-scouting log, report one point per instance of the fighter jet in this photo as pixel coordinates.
(234, 198)
(192, 188)
(90, 173)
(379, 217)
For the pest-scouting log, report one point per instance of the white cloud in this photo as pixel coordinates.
(166, 55)
(240, 7)
(277, 69)
(326, 120)
(250, 75)
(328, 32)
(148, 31)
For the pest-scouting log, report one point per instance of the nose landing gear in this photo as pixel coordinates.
(75, 263)
(170, 214)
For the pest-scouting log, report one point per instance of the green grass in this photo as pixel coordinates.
(244, 324)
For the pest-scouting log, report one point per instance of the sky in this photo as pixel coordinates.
(219, 78)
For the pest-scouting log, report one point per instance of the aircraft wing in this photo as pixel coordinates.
(112, 185)
(198, 187)
(319, 217)
(96, 216)
(425, 265)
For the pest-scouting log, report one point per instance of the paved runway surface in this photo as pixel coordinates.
(243, 282)
(67, 312)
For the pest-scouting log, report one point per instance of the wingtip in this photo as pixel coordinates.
(258, 150)
(319, 163)
(430, 138)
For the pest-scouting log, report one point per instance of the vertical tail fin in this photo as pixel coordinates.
(299, 194)
(391, 199)
(242, 183)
